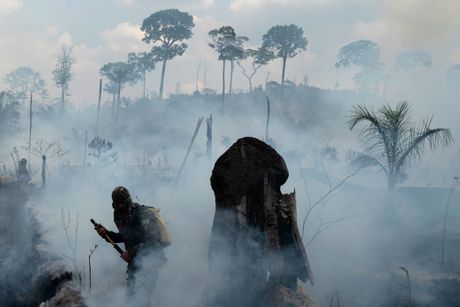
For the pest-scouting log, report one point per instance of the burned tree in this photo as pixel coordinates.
(209, 122)
(44, 150)
(254, 232)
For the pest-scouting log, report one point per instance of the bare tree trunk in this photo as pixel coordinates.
(268, 120)
(89, 271)
(117, 110)
(196, 77)
(43, 172)
(209, 138)
(223, 79)
(62, 96)
(143, 84)
(30, 130)
(284, 70)
(232, 65)
(197, 128)
(205, 71)
(98, 106)
(114, 104)
(162, 79)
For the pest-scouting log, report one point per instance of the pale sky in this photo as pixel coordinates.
(31, 32)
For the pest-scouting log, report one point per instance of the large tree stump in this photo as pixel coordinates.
(254, 233)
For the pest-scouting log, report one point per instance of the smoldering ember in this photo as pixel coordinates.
(230, 153)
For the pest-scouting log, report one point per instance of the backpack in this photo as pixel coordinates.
(154, 226)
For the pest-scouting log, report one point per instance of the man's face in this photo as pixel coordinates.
(119, 206)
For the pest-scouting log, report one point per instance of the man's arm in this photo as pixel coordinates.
(103, 232)
(115, 236)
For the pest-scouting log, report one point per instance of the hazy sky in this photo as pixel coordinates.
(31, 32)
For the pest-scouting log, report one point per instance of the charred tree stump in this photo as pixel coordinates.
(254, 232)
(43, 174)
(209, 137)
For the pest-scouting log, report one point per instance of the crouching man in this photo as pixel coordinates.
(144, 235)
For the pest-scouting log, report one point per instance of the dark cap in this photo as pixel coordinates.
(121, 195)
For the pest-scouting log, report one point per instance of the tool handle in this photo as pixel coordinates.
(115, 245)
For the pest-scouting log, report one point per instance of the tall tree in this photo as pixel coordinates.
(119, 73)
(167, 30)
(410, 61)
(257, 58)
(24, 80)
(229, 47)
(284, 42)
(143, 62)
(364, 54)
(112, 88)
(62, 73)
(393, 141)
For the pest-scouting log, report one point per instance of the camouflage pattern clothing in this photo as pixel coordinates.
(139, 231)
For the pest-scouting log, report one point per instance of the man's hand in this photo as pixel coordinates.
(125, 256)
(101, 230)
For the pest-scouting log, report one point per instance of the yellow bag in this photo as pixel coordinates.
(162, 231)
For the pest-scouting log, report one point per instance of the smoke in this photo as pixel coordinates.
(351, 251)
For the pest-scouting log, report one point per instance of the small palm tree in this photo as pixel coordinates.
(393, 141)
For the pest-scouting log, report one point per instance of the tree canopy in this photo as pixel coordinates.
(23, 80)
(409, 61)
(364, 54)
(120, 72)
(284, 42)
(227, 44)
(143, 62)
(229, 47)
(167, 30)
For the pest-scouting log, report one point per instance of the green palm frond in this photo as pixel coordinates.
(362, 160)
(374, 135)
(417, 140)
(393, 140)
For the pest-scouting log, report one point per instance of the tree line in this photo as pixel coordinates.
(167, 31)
